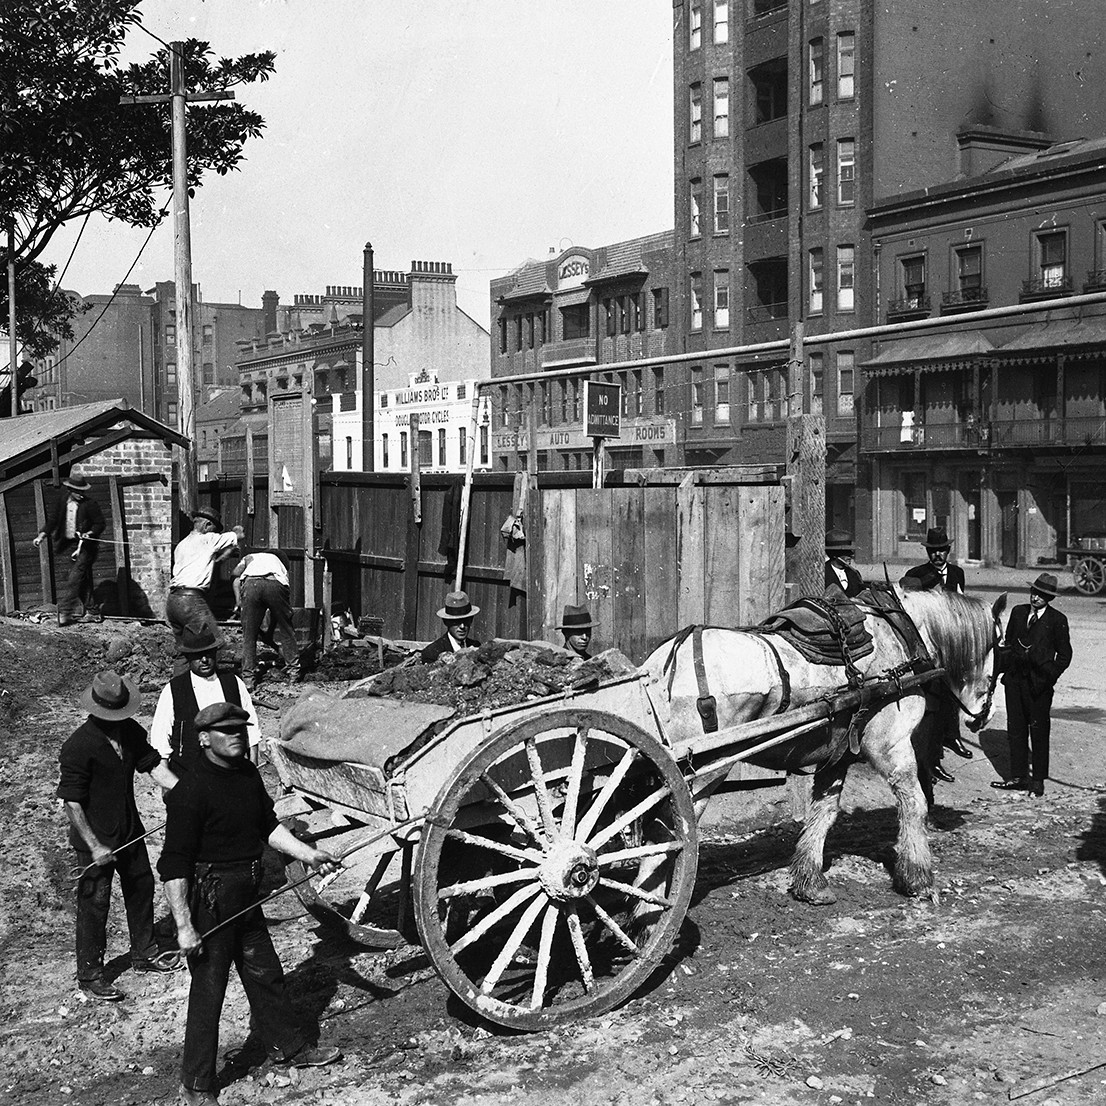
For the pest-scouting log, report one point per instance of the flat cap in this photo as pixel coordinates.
(222, 716)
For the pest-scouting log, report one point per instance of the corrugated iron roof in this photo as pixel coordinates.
(1058, 334)
(944, 348)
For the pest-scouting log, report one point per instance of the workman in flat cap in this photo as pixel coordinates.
(219, 819)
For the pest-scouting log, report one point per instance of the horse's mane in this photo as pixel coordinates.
(961, 628)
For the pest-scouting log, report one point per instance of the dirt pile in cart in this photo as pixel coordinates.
(498, 674)
(355, 662)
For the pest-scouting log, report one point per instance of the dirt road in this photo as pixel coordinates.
(763, 1001)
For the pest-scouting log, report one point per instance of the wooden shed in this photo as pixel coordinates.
(127, 457)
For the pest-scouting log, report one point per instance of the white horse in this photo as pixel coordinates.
(743, 673)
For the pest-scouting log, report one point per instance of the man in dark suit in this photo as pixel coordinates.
(840, 550)
(74, 525)
(457, 614)
(1036, 650)
(98, 763)
(950, 577)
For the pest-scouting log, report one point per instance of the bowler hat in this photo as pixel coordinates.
(222, 716)
(937, 537)
(1046, 584)
(839, 541)
(75, 482)
(209, 513)
(199, 641)
(111, 697)
(457, 607)
(575, 619)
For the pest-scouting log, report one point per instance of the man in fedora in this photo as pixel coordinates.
(74, 525)
(457, 614)
(949, 577)
(194, 561)
(172, 731)
(576, 625)
(1036, 650)
(98, 762)
(840, 550)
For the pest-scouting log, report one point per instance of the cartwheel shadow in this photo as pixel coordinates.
(994, 744)
(1092, 842)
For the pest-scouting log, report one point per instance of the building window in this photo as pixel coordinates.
(171, 417)
(817, 264)
(660, 308)
(638, 312)
(209, 373)
(846, 171)
(624, 393)
(695, 24)
(502, 333)
(765, 391)
(576, 321)
(462, 446)
(635, 394)
(518, 332)
(969, 272)
(171, 374)
(696, 108)
(846, 273)
(846, 361)
(769, 90)
(658, 391)
(696, 301)
(722, 204)
(546, 326)
(403, 449)
(529, 331)
(913, 272)
(624, 303)
(483, 445)
(462, 391)
(817, 382)
(1052, 262)
(722, 298)
(170, 335)
(441, 447)
(721, 107)
(609, 311)
(817, 174)
(817, 70)
(721, 21)
(697, 395)
(721, 393)
(846, 65)
(383, 451)
(547, 404)
(695, 200)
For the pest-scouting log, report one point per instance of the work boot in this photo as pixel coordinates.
(1019, 783)
(308, 1057)
(93, 616)
(198, 1098)
(100, 989)
(1036, 788)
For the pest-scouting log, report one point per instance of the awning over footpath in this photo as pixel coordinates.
(929, 352)
(1073, 337)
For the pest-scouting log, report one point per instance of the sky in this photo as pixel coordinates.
(480, 132)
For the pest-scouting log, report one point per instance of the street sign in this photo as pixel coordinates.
(602, 409)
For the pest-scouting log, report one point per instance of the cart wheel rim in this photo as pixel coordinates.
(1088, 575)
(555, 868)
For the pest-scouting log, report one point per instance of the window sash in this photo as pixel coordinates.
(696, 112)
(721, 204)
(695, 200)
(695, 24)
(817, 70)
(721, 107)
(846, 171)
(722, 298)
(721, 22)
(696, 303)
(846, 65)
(817, 174)
(817, 276)
(846, 271)
(846, 369)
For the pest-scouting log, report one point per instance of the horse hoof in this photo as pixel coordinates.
(815, 896)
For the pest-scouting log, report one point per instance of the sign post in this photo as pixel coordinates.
(602, 420)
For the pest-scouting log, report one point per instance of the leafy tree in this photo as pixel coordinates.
(44, 313)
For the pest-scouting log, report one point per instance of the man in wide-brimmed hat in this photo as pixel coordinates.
(98, 763)
(194, 561)
(74, 525)
(576, 625)
(457, 614)
(840, 550)
(172, 732)
(1035, 653)
(949, 577)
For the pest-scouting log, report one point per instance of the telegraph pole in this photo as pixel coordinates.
(179, 98)
(11, 320)
(368, 366)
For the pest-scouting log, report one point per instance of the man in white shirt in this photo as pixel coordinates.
(173, 733)
(260, 585)
(194, 562)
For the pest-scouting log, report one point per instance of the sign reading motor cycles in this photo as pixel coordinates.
(602, 409)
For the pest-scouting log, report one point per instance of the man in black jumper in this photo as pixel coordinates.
(219, 817)
(1036, 652)
(457, 614)
(98, 763)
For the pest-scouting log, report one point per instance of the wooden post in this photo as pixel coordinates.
(328, 607)
(248, 489)
(122, 549)
(532, 445)
(414, 534)
(7, 560)
(466, 491)
(45, 574)
(308, 495)
(416, 471)
(12, 339)
(597, 463)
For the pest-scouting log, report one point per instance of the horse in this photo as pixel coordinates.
(745, 669)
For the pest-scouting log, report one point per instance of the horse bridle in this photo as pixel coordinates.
(977, 718)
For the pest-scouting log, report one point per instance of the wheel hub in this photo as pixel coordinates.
(569, 871)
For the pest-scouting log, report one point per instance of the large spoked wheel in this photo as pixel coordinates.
(1088, 575)
(555, 868)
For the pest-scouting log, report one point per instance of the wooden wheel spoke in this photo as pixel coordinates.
(545, 953)
(614, 927)
(507, 953)
(327, 880)
(614, 781)
(631, 816)
(575, 780)
(516, 813)
(576, 932)
(541, 792)
(475, 886)
(531, 855)
(495, 917)
(639, 852)
(634, 892)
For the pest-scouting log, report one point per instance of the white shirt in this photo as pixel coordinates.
(71, 506)
(265, 564)
(194, 558)
(207, 691)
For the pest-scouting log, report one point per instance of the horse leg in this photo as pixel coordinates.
(808, 881)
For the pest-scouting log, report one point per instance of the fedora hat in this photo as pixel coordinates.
(575, 619)
(1046, 584)
(75, 482)
(457, 607)
(839, 541)
(937, 537)
(195, 642)
(210, 514)
(111, 697)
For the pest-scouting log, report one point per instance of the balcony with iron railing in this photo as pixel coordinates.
(1096, 280)
(1046, 287)
(938, 436)
(766, 312)
(966, 299)
(1081, 431)
(916, 306)
(1031, 432)
(569, 351)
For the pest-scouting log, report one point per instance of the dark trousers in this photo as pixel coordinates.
(188, 607)
(1028, 721)
(94, 900)
(218, 892)
(261, 594)
(75, 581)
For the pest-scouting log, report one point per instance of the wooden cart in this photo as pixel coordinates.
(1087, 561)
(548, 850)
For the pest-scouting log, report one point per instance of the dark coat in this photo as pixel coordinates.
(954, 578)
(102, 782)
(436, 648)
(90, 520)
(854, 581)
(1037, 655)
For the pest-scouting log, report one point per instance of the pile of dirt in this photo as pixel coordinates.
(498, 674)
(356, 662)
